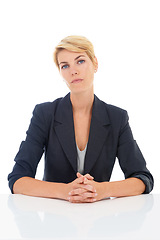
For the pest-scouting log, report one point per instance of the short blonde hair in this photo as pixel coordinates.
(75, 44)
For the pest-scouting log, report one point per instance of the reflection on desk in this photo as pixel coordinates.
(117, 218)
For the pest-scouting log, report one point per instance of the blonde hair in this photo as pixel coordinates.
(75, 44)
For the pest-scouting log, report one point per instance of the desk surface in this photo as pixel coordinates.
(24, 217)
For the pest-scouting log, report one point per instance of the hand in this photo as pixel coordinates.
(80, 190)
(102, 189)
(87, 191)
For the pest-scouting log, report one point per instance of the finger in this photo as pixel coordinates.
(77, 191)
(88, 176)
(90, 200)
(79, 180)
(77, 183)
(85, 180)
(87, 187)
(79, 175)
(75, 198)
(89, 195)
(80, 199)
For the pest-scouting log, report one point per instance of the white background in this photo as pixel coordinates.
(126, 36)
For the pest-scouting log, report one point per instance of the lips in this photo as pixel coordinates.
(77, 80)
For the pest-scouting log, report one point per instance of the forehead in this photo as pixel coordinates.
(67, 56)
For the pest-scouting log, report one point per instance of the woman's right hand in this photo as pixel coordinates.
(38, 188)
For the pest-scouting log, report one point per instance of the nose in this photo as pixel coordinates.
(74, 71)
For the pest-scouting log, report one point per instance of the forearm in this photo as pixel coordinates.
(37, 188)
(124, 188)
(102, 190)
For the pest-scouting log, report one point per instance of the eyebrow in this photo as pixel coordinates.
(74, 59)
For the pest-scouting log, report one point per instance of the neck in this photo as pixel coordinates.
(82, 102)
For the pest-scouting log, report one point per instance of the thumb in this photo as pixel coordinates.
(88, 176)
(79, 175)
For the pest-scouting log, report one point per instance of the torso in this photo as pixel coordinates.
(82, 129)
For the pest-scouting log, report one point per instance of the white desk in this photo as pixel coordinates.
(130, 218)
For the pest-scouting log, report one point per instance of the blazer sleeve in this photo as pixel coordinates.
(31, 150)
(130, 157)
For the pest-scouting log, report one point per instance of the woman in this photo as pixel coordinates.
(81, 137)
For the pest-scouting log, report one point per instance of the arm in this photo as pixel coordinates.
(37, 188)
(31, 150)
(124, 188)
(130, 157)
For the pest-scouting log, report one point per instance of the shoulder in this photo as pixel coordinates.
(111, 109)
(114, 110)
(115, 114)
(46, 110)
(48, 106)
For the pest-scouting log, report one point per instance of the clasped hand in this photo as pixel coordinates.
(84, 189)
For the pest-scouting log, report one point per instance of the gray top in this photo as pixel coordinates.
(80, 159)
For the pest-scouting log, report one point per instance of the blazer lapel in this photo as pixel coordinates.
(99, 129)
(64, 128)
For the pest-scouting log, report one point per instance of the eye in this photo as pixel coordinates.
(65, 66)
(80, 61)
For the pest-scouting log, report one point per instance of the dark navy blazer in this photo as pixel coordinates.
(51, 132)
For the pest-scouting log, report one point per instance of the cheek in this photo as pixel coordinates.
(90, 72)
(64, 76)
(65, 79)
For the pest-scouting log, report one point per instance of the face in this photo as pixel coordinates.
(77, 70)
